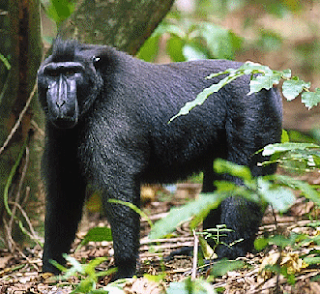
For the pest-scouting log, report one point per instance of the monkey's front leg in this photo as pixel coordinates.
(125, 226)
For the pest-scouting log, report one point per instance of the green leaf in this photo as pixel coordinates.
(100, 291)
(284, 136)
(304, 187)
(179, 215)
(191, 52)
(269, 40)
(266, 81)
(174, 48)
(280, 241)
(60, 10)
(150, 48)
(286, 74)
(260, 243)
(97, 234)
(201, 97)
(221, 267)
(221, 42)
(312, 260)
(223, 166)
(292, 88)
(188, 286)
(255, 68)
(173, 30)
(284, 147)
(279, 197)
(311, 99)
(90, 267)
(134, 208)
(207, 251)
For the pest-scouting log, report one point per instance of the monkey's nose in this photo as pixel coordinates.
(60, 103)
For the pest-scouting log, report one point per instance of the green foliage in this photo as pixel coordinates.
(264, 188)
(214, 234)
(269, 40)
(226, 167)
(176, 216)
(260, 189)
(278, 240)
(298, 157)
(60, 10)
(281, 270)
(294, 241)
(188, 286)
(311, 99)
(292, 88)
(307, 190)
(279, 197)
(5, 62)
(97, 234)
(221, 267)
(149, 50)
(190, 40)
(284, 136)
(86, 273)
(262, 77)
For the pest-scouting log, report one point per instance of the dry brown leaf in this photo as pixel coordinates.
(291, 260)
(300, 209)
(142, 286)
(4, 260)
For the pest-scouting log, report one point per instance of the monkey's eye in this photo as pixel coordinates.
(53, 73)
(69, 72)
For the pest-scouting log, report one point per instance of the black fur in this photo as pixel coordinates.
(111, 131)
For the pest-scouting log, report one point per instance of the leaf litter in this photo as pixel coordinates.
(20, 271)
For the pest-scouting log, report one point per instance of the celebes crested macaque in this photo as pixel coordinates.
(107, 125)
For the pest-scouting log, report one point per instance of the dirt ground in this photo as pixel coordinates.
(19, 271)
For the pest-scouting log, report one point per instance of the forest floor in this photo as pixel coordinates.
(20, 270)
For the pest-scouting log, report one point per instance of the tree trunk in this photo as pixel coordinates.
(22, 43)
(124, 24)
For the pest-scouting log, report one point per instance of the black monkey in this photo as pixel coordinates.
(107, 125)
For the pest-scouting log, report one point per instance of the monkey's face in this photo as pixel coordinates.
(64, 91)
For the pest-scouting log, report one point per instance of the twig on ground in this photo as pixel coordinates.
(195, 256)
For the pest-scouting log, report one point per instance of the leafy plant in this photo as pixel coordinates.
(258, 189)
(86, 273)
(262, 77)
(59, 10)
(216, 235)
(190, 40)
(188, 286)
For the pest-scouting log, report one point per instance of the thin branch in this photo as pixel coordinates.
(8, 238)
(21, 115)
(17, 198)
(32, 234)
